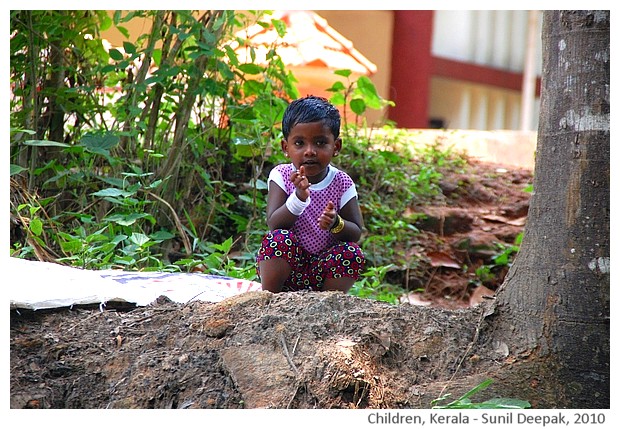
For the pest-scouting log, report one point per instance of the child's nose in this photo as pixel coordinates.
(310, 150)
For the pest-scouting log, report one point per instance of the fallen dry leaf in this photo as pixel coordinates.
(442, 259)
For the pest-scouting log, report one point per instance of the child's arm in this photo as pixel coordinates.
(279, 215)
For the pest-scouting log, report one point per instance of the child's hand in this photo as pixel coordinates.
(301, 182)
(326, 220)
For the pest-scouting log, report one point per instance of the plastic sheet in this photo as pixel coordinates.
(43, 285)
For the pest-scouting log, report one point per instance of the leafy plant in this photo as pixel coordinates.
(120, 153)
(175, 90)
(504, 258)
(507, 253)
(356, 96)
(372, 285)
(464, 402)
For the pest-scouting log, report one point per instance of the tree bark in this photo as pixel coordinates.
(552, 312)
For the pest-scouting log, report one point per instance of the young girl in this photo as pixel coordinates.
(312, 209)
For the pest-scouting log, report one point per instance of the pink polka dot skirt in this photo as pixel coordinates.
(309, 271)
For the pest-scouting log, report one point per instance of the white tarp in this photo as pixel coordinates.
(41, 285)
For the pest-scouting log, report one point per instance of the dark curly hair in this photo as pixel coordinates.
(311, 108)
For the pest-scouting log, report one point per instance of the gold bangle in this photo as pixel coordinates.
(339, 225)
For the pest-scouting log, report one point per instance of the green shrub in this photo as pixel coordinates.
(173, 159)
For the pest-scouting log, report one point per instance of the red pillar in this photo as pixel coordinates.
(411, 68)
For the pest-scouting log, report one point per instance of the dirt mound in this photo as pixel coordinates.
(297, 350)
(256, 350)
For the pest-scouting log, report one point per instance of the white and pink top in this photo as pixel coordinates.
(336, 187)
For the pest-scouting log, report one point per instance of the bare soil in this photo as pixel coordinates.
(296, 350)
(480, 214)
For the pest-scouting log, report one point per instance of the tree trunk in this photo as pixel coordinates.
(552, 312)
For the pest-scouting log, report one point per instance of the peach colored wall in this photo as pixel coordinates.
(371, 34)
(135, 27)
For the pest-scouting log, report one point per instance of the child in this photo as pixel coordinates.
(312, 209)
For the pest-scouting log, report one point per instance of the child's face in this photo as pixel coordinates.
(311, 145)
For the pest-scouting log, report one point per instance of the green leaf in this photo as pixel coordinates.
(105, 22)
(153, 79)
(95, 238)
(225, 246)
(71, 246)
(118, 14)
(161, 235)
(390, 156)
(337, 99)
(343, 72)
(99, 143)
(232, 55)
(125, 260)
(486, 383)
(115, 54)
(16, 169)
(139, 239)
(157, 57)
(358, 106)
(261, 184)
(25, 131)
(280, 27)
(225, 70)
(502, 259)
(337, 86)
(244, 147)
(125, 219)
(465, 403)
(369, 92)
(36, 226)
(112, 192)
(45, 143)
(107, 69)
(123, 64)
(253, 87)
(119, 238)
(518, 239)
(250, 68)
(155, 184)
(130, 48)
(246, 198)
(505, 403)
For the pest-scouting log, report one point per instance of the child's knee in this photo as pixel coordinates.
(346, 260)
(279, 243)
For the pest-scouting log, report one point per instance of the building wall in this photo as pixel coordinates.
(487, 37)
(496, 39)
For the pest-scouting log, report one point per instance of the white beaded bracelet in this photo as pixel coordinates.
(295, 205)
